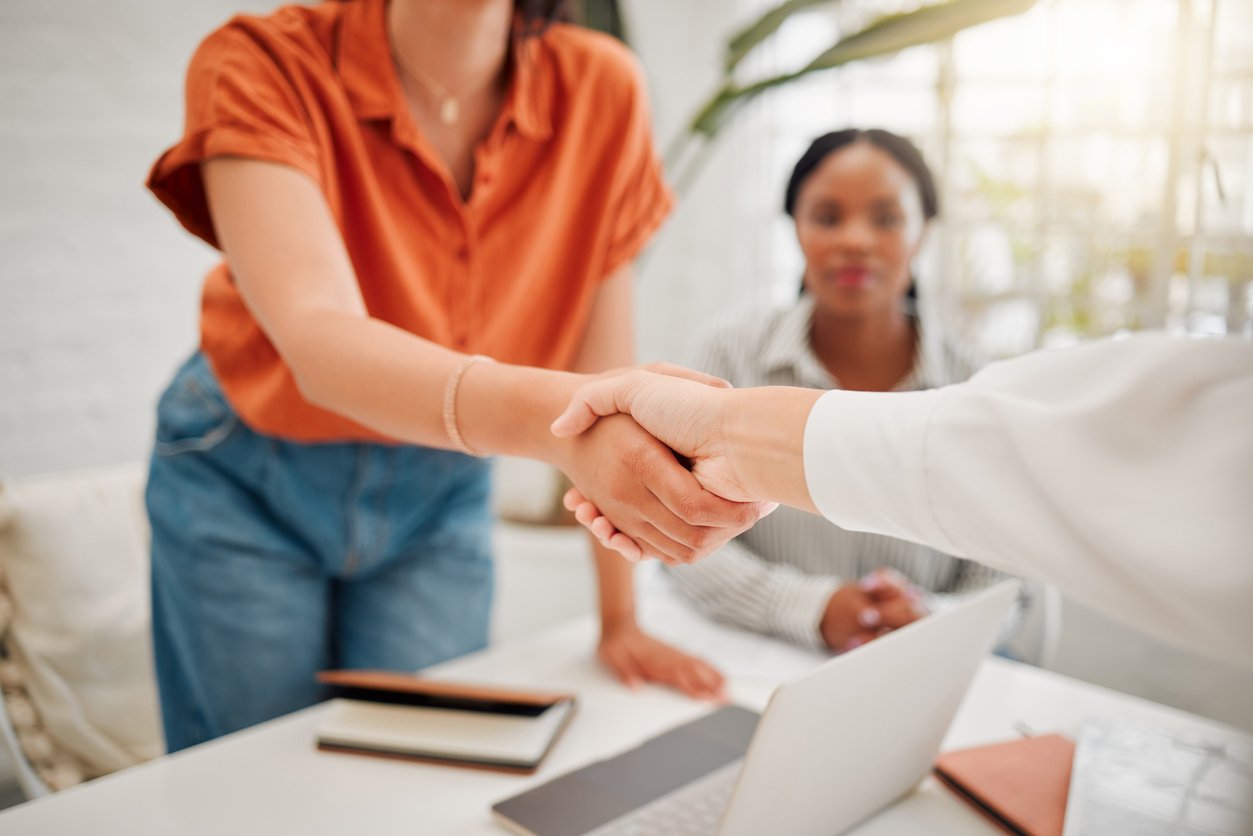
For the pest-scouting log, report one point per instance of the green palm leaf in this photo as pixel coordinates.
(746, 39)
(885, 36)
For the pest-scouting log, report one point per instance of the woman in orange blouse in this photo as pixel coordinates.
(400, 190)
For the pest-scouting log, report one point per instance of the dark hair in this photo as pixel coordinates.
(537, 14)
(900, 149)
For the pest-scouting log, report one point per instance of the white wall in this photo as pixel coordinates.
(98, 284)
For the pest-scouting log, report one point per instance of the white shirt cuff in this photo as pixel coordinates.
(865, 459)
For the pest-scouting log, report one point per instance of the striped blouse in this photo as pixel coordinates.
(777, 577)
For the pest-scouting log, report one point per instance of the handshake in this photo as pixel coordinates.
(1082, 467)
(743, 449)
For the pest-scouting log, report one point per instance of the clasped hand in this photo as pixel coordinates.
(623, 472)
(680, 410)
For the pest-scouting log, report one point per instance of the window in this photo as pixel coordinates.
(1095, 160)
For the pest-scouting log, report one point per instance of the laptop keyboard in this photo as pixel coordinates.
(692, 810)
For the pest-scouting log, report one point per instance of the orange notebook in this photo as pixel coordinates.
(1020, 785)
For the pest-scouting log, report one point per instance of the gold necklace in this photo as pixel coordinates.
(449, 103)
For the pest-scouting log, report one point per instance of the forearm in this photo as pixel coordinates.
(615, 583)
(289, 262)
(394, 383)
(1095, 468)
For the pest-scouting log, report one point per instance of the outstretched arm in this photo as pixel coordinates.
(289, 261)
(1122, 471)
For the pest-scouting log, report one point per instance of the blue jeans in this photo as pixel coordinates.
(272, 560)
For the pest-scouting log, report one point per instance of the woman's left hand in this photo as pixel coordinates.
(636, 658)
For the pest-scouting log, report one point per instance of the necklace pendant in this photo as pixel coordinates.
(449, 111)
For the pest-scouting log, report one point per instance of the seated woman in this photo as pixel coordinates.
(861, 200)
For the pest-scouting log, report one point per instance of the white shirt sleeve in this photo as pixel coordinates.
(1122, 471)
(735, 586)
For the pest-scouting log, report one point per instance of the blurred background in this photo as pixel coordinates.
(1095, 160)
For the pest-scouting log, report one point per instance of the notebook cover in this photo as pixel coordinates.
(1020, 785)
(463, 763)
(407, 689)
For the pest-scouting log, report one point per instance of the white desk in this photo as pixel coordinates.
(270, 780)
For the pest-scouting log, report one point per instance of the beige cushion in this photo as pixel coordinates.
(74, 560)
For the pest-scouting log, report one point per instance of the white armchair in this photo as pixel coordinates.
(79, 695)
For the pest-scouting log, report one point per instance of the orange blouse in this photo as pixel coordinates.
(567, 189)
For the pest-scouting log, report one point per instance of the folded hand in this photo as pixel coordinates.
(862, 611)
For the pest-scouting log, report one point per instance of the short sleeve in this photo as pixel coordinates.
(641, 200)
(242, 100)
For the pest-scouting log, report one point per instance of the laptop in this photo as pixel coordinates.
(832, 747)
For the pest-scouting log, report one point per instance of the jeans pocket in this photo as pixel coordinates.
(193, 414)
